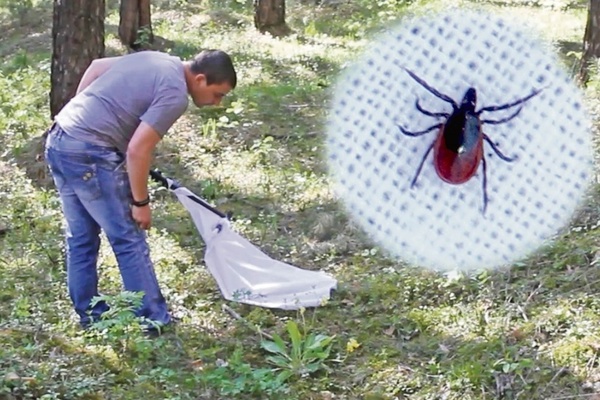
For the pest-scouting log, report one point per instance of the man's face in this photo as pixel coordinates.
(208, 95)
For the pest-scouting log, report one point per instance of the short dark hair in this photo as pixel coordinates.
(216, 65)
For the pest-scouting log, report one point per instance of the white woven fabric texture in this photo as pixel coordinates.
(439, 225)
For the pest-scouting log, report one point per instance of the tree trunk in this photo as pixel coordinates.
(146, 19)
(591, 40)
(269, 16)
(135, 24)
(77, 39)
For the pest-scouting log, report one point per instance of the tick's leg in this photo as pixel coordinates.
(509, 105)
(485, 195)
(503, 120)
(430, 113)
(497, 150)
(432, 90)
(414, 181)
(409, 133)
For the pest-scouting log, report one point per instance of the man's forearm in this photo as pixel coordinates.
(139, 158)
(96, 68)
(138, 166)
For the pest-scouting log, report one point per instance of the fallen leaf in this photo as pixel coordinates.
(390, 331)
(11, 376)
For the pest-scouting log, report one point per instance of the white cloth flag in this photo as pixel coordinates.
(243, 272)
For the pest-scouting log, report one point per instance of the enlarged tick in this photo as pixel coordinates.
(458, 146)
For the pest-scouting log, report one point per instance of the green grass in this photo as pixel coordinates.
(531, 332)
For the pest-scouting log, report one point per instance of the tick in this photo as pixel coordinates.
(458, 146)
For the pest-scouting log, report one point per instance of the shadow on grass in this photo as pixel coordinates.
(27, 34)
(570, 53)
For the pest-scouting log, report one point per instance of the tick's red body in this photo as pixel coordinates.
(458, 147)
(458, 165)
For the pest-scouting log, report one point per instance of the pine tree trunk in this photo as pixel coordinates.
(77, 39)
(591, 40)
(135, 25)
(146, 20)
(269, 16)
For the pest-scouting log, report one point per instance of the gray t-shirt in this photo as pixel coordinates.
(147, 86)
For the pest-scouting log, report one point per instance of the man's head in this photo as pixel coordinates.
(210, 76)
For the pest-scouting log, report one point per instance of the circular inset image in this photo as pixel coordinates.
(458, 142)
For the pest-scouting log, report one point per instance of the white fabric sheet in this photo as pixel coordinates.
(244, 273)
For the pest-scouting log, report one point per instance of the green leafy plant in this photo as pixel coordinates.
(144, 37)
(513, 366)
(263, 148)
(121, 314)
(306, 353)
(236, 377)
(121, 327)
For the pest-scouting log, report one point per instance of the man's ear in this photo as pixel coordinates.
(200, 79)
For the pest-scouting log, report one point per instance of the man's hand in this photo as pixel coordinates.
(142, 215)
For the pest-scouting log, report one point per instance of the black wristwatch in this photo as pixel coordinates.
(142, 203)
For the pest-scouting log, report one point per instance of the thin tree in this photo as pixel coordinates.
(77, 39)
(591, 40)
(269, 16)
(135, 24)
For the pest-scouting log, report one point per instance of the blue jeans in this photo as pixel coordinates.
(95, 194)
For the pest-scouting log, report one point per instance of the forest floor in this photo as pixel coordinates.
(396, 331)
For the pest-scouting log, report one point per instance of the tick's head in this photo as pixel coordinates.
(470, 99)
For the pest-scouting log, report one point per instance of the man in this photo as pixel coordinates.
(99, 151)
